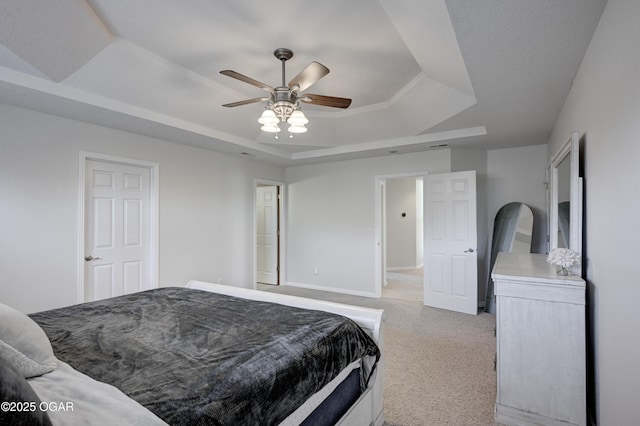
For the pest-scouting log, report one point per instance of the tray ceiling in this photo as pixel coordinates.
(459, 72)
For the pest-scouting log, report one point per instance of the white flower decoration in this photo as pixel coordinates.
(563, 257)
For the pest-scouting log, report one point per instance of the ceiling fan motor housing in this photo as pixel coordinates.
(283, 102)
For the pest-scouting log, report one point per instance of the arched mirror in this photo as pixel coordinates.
(565, 198)
(512, 232)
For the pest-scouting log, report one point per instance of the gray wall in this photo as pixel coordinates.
(206, 207)
(604, 106)
(519, 174)
(330, 210)
(330, 219)
(404, 234)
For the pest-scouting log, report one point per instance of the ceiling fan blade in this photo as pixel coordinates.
(312, 73)
(245, 102)
(330, 101)
(244, 78)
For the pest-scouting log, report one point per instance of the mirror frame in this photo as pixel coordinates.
(571, 149)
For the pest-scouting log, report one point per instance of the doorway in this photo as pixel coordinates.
(450, 239)
(269, 197)
(118, 227)
(400, 236)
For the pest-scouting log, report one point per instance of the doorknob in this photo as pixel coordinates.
(469, 251)
(90, 258)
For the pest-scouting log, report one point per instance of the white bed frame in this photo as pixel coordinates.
(367, 410)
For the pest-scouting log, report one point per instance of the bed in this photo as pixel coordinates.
(200, 354)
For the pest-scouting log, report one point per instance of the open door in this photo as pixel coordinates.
(267, 234)
(450, 258)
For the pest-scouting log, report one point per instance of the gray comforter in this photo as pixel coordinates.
(195, 357)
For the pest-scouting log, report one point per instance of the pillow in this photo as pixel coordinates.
(21, 401)
(24, 344)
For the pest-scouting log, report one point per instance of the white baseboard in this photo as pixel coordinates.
(332, 289)
(403, 268)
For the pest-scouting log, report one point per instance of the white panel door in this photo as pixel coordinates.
(450, 257)
(116, 229)
(267, 234)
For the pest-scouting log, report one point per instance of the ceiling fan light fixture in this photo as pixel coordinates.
(297, 118)
(268, 118)
(271, 128)
(297, 128)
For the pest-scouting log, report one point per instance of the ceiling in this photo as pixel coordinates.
(422, 74)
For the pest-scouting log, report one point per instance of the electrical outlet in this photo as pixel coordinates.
(316, 271)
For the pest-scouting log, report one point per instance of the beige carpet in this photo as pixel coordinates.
(439, 364)
(404, 285)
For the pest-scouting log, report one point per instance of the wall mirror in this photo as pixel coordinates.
(512, 232)
(565, 198)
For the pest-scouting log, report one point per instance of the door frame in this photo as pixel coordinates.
(281, 238)
(379, 217)
(154, 204)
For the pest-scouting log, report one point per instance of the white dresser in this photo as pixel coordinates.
(541, 359)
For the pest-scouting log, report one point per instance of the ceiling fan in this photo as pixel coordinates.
(283, 101)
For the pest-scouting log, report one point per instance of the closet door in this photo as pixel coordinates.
(117, 229)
